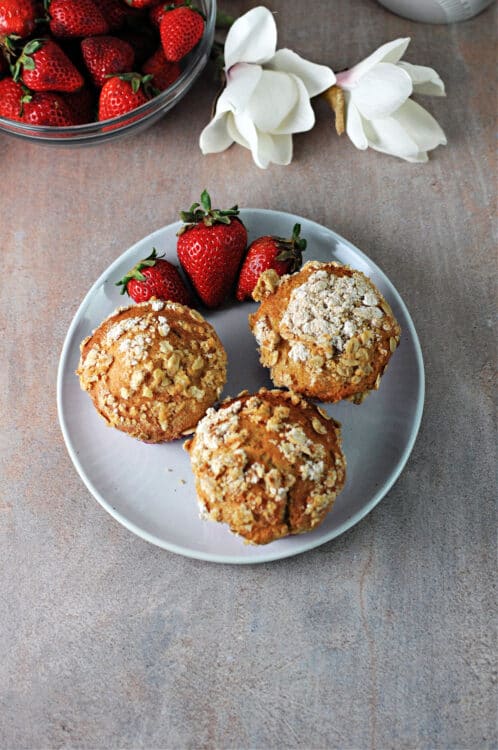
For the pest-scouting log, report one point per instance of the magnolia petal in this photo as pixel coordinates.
(252, 38)
(241, 130)
(425, 80)
(282, 149)
(274, 97)
(420, 158)
(420, 126)
(264, 147)
(273, 149)
(296, 120)
(301, 117)
(316, 78)
(215, 136)
(242, 80)
(354, 126)
(382, 90)
(389, 136)
(388, 53)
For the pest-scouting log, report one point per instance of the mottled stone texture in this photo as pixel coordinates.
(384, 638)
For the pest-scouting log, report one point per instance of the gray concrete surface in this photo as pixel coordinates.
(384, 638)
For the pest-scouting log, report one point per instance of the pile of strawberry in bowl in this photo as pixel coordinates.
(78, 72)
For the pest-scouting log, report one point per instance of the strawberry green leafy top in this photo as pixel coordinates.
(204, 212)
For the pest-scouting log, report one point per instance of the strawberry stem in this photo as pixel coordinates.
(25, 61)
(135, 272)
(185, 4)
(291, 250)
(136, 80)
(8, 46)
(206, 201)
(204, 212)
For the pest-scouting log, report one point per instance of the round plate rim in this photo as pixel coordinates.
(305, 546)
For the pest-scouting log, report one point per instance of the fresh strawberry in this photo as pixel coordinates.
(47, 108)
(283, 256)
(43, 66)
(180, 29)
(105, 56)
(12, 98)
(122, 93)
(17, 18)
(155, 277)
(69, 18)
(210, 247)
(114, 12)
(163, 73)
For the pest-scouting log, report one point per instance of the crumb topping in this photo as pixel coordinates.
(326, 331)
(330, 309)
(266, 285)
(238, 480)
(148, 363)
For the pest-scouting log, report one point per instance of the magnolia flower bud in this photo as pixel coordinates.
(267, 93)
(379, 112)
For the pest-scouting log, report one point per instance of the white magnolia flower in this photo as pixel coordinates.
(267, 94)
(379, 112)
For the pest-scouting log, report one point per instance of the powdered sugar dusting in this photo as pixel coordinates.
(329, 309)
(299, 352)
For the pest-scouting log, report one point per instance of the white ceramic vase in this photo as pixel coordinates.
(436, 11)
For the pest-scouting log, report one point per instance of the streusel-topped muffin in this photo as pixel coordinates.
(326, 332)
(153, 369)
(269, 465)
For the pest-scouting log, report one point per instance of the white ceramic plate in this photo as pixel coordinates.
(150, 489)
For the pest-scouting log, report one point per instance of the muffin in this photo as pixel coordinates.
(325, 332)
(269, 465)
(153, 369)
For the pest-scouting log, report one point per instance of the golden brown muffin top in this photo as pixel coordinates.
(326, 329)
(146, 363)
(268, 464)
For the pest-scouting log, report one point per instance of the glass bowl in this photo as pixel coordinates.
(131, 122)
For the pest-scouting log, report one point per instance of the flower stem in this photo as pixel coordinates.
(335, 98)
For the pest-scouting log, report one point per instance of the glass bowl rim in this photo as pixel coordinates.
(150, 107)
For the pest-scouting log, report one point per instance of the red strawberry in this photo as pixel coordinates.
(154, 277)
(70, 18)
(47, 108)
(122, 93)
(163, 73)
(283, 256)
(210, 247)
(45, 67)
(180, 29)
(11, 99)
(114, 12)
(105, 56)
(17, 17)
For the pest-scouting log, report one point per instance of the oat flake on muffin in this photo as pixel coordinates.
(269, 465)
(326, 332)
(153, 369)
